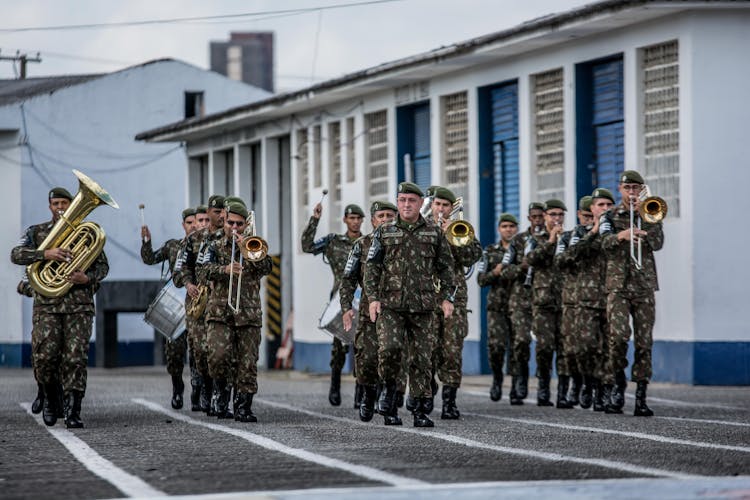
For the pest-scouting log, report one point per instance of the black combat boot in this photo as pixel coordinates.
(36, 406)
(641, 408)
(514, 399)
(496, 391)
(587, 389)
(542, 391)
(400, 399)
(60, 403)
(367, 407)
(221, 398)
(359, 390)
(608, 406)
(49, 407)
(450, 411)
(618, 392)
(178, 388)
(334, 392)
(573, 397)
(411, 403)
(386, 402)
(207, 390)
(195, 397)
(244, 411)
(73, 410)
(523, 382)
(420, 415)
(563, 381)
(599, 404)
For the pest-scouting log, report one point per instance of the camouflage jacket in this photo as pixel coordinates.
(546, 285)
(567, 264)
(622, 275)
(353, 275)
(169, 252)
(497, 298)
(402, 262)
(463, 257)
(592, 271)
(334, 247)
(194, 245)
(520, 295)
(80, 298)
(216, 257)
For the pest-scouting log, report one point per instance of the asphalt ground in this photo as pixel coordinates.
(135, 445)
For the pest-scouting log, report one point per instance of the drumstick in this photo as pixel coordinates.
(325, 192)
(143, 218)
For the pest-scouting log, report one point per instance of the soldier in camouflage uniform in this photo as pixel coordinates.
(62, 325)
(499, 332)
(24, 288)
(405, 259)
(546, 288)
(174, 349)
(516, 270)
(186, 275)
(366, 338)
(571, 268)
(234, 331)
(450, 332)
(630, 289)
(335, 249)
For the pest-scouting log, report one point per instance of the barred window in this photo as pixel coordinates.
(377, 152)
(317, 159)
(303, 167)
(334, 159)
(549, 146)
(350, 165)
(661, 125)
(456, 143)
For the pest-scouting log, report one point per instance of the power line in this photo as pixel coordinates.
(66, 27)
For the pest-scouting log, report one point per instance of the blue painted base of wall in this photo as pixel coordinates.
(128, 354)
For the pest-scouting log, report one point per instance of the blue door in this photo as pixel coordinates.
(413, 148)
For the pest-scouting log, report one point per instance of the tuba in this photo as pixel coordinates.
(85, 240)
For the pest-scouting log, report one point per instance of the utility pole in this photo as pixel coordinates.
(23, 59)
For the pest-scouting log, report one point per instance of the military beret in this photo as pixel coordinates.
(631, 177)
(585, 203)
(410, 187)
(603, 193)
(382, 205)
(234, 199)
(201, 209)
(444, 194)
(554, 203)
(187, 213)
(59, 192)
(536, 205)
(506, 217)
(353, 209)
(216, 201)
(237, 208)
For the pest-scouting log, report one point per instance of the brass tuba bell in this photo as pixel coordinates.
(85, 240)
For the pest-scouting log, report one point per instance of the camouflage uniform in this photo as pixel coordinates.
(569, 269)
(402, 263)
(62, 325)
(630, 292)
(519, 303)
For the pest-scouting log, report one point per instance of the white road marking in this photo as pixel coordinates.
(637, 435)
(368, 473)
(128, 484)
(706, 421)
(541, 455)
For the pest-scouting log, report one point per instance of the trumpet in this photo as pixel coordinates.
(653, 210)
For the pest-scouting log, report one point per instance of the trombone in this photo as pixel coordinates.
(652, 209)
(460, 233)
(253, 248)
(235, 305)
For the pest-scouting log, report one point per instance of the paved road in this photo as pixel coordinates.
(135, 445)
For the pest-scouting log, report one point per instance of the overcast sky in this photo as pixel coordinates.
(310, 46)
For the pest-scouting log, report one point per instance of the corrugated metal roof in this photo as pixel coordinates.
(12, 91)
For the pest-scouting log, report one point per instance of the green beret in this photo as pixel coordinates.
(201, 209)
(187, 213)
(59, 192)
(234, 199)
(216, 201)
(444, 194)
(554, 203)
(382, 205)
(585, 203)
(353, 209)
(238, 209)
(603, 193)
(410, 187)
(631, 177)
(506, 217)
(536, 205)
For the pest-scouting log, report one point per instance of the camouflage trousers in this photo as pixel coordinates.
(174, 352)
(60, 348)
(233, 355)
(520, 320)
(338, 355)
(198, 341)
(568, 339)
(591, 341)
(449, 346)
(546, 326)
(500, 341)
(403, 334)
(620, 307)
(366, 353)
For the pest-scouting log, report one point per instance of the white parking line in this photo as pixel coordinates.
(707, 421)
(637, 435)
(369, 473)
(128, 484)
(541, 455)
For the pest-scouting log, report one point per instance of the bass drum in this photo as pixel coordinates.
(331, 321)
(167, 311)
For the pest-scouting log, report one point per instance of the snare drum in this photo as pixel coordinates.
(331, 321)
(167, 311)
